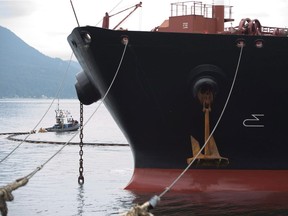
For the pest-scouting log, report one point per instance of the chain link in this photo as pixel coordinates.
(81, 177)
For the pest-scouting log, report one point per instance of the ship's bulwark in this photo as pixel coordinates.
(154, 103)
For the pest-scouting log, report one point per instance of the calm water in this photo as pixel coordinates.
(54, 190)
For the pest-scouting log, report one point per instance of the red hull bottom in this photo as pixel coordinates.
(209, 180)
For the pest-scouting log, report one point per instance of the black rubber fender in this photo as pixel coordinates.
(86, 92)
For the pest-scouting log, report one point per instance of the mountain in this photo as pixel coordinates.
(25, 72)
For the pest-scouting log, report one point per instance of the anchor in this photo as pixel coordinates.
(211, 156)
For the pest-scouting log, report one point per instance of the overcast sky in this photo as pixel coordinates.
(45, 24)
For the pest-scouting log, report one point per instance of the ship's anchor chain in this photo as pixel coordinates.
(81, 177)
(6, 194)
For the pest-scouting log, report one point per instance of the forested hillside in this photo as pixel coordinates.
(25, 72)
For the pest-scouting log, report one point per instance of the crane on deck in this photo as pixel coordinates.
(107, 17)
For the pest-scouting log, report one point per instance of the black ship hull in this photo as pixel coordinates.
(154, 101)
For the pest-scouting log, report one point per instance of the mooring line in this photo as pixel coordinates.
(41, 119)
(23, 181)
(97, 108)
(144, 209)
(30, 175)
(212, 132)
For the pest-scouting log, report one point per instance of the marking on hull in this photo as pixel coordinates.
(254, 122)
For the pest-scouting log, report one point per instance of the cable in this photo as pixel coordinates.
(41, 119)
(110, 86)
(212, 132)
(151, 204)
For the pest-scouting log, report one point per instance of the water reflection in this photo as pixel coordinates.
(80, 200)
(107, 170)
(219, 203)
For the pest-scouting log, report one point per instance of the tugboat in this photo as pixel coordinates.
(64, 122)
(192, 83)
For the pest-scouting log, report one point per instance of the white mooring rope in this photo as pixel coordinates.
(97, 108)
(41, 119)
(144, 209)
(6, 191)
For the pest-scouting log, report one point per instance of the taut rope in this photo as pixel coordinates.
(6, 191)
(134, 210)
(41, 119)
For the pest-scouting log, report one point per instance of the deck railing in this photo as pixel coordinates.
(197, 8)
